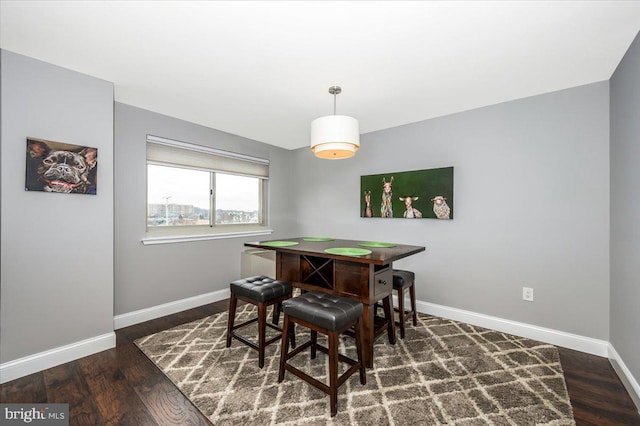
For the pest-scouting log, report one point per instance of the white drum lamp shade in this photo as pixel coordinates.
(335, 137)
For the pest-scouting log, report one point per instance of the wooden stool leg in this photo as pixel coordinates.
(359, 349)
(333, 371)
(314, 343)
(391, 322)
(401, 313)
(292, 334)
(284, 347)
(277, 308)
(262, 331)
(412, 294)
(233, 303)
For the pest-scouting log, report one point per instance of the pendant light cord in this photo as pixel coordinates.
(335, 91)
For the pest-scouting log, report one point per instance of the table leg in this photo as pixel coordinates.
(368, 330)
(387, 303)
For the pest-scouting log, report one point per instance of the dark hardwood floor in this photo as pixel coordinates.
(122, 386)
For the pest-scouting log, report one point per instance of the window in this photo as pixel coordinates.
(194, 192)
(177, 196)
(237, 199)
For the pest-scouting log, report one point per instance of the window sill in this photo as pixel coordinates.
(170, 239)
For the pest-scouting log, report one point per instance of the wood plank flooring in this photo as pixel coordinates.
(121, 386)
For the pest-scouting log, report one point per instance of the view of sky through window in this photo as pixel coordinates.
(186, 186)
(179, 186)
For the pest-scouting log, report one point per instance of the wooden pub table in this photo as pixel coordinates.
(362, 270)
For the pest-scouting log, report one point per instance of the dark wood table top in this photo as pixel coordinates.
(378, 256)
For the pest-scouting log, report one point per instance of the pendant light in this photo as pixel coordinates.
(335, 137)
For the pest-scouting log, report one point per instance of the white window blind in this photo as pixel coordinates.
(167, 151)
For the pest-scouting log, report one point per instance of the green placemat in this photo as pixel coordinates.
(279, 243)
(377, 244)
(317, 239)
(348, 251)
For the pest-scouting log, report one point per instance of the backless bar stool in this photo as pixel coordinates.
(330, 315)
(262, 292)
(403, 280)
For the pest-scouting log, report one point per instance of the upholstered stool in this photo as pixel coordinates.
(403, 280)
(263, 292)
(330, 315)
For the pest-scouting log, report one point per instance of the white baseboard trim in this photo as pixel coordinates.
(627, 379)
(41, 361)
(153, 312)
(547, 335)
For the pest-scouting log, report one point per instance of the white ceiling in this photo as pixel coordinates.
(262, 69)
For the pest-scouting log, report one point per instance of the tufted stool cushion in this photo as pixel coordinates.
(402, 278)
(261, 288)
(328, 311)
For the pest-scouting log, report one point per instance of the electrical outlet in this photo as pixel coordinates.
(527, 294)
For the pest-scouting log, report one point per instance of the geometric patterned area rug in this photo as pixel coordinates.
(443, 373)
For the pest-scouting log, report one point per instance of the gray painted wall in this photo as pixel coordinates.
(531, 185)
(151, 275)
(625, 209)
(57, 249)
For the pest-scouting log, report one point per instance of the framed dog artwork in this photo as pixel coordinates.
(417, 194)
(61, 167)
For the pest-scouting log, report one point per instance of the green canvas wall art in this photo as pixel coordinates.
(417, 194)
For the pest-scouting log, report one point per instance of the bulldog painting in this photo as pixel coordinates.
(61, 167)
